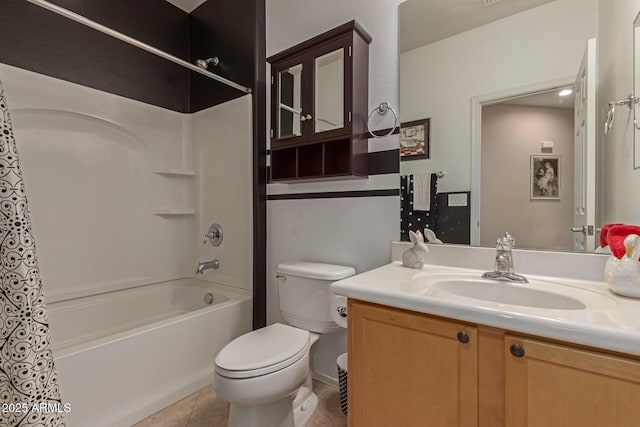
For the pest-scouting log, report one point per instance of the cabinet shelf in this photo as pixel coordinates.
(175, 172)
(328, 159)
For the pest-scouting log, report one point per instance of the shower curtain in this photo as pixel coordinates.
(29, 393)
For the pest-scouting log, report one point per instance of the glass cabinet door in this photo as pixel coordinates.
(290, 119)
(329, 91)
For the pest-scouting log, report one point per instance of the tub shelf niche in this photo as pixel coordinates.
(175, 172)
(174, 211)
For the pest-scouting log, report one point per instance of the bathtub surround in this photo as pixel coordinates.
(47, 43)
(114, 144)
(27, 372)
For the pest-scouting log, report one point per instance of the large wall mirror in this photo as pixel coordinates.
(508, 88)
(636, 91)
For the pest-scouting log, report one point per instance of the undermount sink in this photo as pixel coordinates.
(536, 293)
(505, 293)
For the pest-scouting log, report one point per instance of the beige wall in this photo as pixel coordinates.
(510, 135)
(620, 182)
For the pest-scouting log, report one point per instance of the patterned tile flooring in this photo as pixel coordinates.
(204, 409)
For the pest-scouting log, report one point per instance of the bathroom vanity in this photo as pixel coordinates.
(442, 346)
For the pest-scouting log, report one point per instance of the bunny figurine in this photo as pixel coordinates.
(416, 256)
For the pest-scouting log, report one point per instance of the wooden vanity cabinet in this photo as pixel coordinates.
(411, 369)
(319, 101)
(548, 384)
(407, 369)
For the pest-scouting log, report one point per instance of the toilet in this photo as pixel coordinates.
(265, 374)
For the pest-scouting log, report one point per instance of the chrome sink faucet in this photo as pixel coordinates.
(504, 262)
(206, 265)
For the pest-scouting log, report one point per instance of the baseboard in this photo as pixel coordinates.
(326, 379)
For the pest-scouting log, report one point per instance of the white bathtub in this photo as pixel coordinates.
(122, 356)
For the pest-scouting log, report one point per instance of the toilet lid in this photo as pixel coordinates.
(262, 351)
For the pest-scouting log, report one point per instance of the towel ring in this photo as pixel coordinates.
(382, 110)
(630, 102)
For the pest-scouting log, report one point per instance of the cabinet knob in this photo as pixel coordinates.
(309, 117)
(303, 118)
(463, 337)
(516, 350)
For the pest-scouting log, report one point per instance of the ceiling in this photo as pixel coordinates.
(426, 21)
(187, 5)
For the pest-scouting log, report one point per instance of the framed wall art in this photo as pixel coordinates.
(544, 175)
(414, 139)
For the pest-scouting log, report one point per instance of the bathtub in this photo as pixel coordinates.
(121, 356)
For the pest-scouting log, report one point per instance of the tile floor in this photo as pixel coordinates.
(204, 409)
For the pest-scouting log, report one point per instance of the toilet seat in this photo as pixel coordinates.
(262, 351)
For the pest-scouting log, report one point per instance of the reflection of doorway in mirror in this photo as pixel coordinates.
(526, 189)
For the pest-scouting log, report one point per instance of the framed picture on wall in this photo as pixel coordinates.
(414, 139)
(545, 177)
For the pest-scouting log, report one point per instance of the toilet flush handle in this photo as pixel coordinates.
(342, 311)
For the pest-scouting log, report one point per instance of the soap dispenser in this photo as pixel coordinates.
(626, 276)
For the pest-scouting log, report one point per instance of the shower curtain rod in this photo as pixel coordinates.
(115, 34)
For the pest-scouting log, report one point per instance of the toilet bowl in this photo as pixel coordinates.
(265, 374)
(260, 374)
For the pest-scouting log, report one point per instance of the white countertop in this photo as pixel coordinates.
(608, 321)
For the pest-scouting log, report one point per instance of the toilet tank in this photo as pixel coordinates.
(303, 289)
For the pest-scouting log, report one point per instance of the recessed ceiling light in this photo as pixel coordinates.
(565, 92)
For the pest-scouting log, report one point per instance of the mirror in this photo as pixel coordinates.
(290, 102)
(636, 91)
(329, 91)
(512, 151)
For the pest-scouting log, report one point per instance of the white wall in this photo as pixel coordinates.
(349, 231)
(223, 151)
(88, 159)
(541, 44)
(510, 135)
(620, 182)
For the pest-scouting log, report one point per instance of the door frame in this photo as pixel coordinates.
(477, 102)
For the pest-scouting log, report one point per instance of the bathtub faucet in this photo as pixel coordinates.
(206, 265)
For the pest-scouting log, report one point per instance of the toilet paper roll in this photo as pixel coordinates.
(339, 310)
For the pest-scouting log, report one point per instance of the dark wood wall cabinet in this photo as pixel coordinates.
(319, 101)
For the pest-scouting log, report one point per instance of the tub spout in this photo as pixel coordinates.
(206, 265)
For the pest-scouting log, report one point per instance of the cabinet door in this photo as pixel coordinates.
(408, 369)
(331, 81)
(289, 101)
(549, 385)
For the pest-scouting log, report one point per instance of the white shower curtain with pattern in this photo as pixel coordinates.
(29, 393)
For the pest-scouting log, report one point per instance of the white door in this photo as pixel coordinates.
(585, 153)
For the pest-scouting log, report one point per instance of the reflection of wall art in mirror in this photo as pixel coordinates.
(414, 140)
(545, 177)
